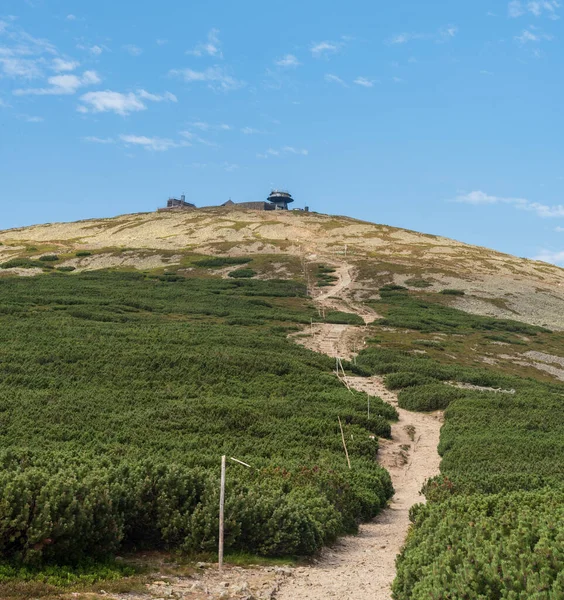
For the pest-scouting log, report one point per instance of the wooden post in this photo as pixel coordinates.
(368, 405)
(344, 443)
(221, 511)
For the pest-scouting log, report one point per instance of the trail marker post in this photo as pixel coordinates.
(344, 443)
(222, 505)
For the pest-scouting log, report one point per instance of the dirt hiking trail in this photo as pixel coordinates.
(362, 567)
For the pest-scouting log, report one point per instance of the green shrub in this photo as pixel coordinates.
(336, 316)
(397, 381)
(242, 273)
(428, 397)
(498, 546)
(49, 258)
(418, 283)
(215, 262)
(22, 263)
(450, 292)
(66, 269)
(113, 366)
(82, 253)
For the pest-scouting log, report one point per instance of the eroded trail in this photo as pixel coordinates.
(362, 567)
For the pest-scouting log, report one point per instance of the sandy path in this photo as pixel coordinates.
(362, 567)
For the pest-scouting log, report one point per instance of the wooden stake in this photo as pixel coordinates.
(221, 511)
(344, 443)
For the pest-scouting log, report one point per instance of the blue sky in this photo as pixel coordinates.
(443, 117)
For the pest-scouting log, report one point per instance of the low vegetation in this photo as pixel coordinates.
(493, 525)
(119, 392)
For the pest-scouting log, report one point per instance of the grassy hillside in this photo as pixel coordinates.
(119, 393)
(136, 351)
(495, 284)
(493, 526)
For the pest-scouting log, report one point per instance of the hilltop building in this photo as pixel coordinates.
(277, 200)
(280, 199)
(178, 204)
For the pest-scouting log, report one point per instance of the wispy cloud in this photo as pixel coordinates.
(155, 144)
(325, 49)
(23, 56)
(133, 50)
(559, 229)
(119, 103)
(98, 140)
(204, 126)
(216, 77)
(251, 131)
(518, 8)
(151, 143)
(286, 150)
(288, 61)
(365, 82)
(532, 35)
(549, 256)
(330, 78)
(444, 34)
(96, 50)
(212, 47)
(61, 64)
(542, 210)
(60, 85)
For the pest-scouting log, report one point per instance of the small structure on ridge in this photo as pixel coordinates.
(280, 199)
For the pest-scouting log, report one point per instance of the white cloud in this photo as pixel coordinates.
(98, 140)
(292, 150)
(16, 67)
(108, 101)
(71, 18)
(285, 150)
(121, 104)
(60, 64)
(133, 50)
(365, 82)
(212, 47)
(156, 144)
(555, 258)
(532, 36)
(96, 50)
(324, 49)
(251, 131)
(32, 119)
(329, 78)
(542, 210)
(444, 34)
(166, 97)
(398, 80)
(515, 9)
(518, 8)
(216, 77)
(62, 85)
(161, 42)
(559, 229)
(150, 143)
(229, 167)
(448, 32)
(289, 60)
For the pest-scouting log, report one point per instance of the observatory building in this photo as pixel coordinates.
(280, 199)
